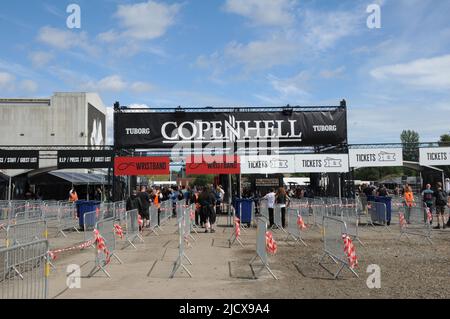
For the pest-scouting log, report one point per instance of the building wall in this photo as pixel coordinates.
(61, 120)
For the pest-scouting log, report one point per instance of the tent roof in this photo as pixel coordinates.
(81, 178)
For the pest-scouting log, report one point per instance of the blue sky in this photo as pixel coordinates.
(241, 52)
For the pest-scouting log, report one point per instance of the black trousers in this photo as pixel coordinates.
(212, 215)
(159, 217)
(271, 217)
(283, 217)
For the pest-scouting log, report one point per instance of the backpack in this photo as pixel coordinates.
(428, 197)
(180, 196)
(441, 198)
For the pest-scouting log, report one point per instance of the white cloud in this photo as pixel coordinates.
(65, 40)
(264, 54)
(29, 86)
(6, 80)
(264, 12)
(141, 87)
(330, 74)
(324, 29)
(108, 36)
(115, 83)
(432, 73)
(292, 87)
(146, 20)
(40, 58)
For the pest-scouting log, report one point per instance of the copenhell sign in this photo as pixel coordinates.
(139, 166)
(197, 129)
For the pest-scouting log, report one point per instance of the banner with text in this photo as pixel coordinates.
(141, 166)
(376, 157)
(198, 165)
(85, 159)
(321, 163)
(195, 129)
(435, 156)
(19, 159)
(267, 164)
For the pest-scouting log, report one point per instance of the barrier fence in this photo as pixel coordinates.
(106, 249)
(132, 228)
(377, 214)
(182, 219)
(24, 272)
(296, 224)
(416, 221)
(261, 247)
(26, 232)
(67, 218)
(334, 246)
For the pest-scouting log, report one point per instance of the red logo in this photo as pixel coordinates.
(198, 165)
(139, 166)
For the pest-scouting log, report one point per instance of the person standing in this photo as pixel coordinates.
(427, 197)
(207, 201)
(409, 202)
(73, 196)
(441, 202)
(220, 194)
(145, 206)
(270, 197)
(282, 200)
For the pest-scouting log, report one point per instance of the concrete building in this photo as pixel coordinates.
(65, 119)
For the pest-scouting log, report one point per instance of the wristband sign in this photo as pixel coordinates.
(199, 165)
(140, 166)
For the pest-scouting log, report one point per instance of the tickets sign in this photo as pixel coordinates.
(321, 163)
(268, 164)
(435, 156)
(376, 157)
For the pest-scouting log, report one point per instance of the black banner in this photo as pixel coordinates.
(186, 129)
(19, 159)
(85, 159)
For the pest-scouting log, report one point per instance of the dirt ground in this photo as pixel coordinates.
(410, 268)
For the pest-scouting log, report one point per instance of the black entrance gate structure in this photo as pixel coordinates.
(250, 131)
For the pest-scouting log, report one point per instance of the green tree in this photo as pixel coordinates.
(410, 141)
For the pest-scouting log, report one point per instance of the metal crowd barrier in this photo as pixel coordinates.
(89, 222)
(166, 209)
(277, 218)
(293, 228)
(333, 244)
(261, 251)
(26, 232)
(132, 228)
(120, 211)
(24, 271)
(351, 217)
(67, 218)
(107, 211)
(179, 262)
(102, 259)
(416, 223)
(154, 219)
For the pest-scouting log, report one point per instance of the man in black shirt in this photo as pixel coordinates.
(207, 201)
(145, 202)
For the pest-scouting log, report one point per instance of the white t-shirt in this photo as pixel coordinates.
(270, 199)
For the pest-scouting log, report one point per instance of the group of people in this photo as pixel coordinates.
(208, 202)
(435, 199)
